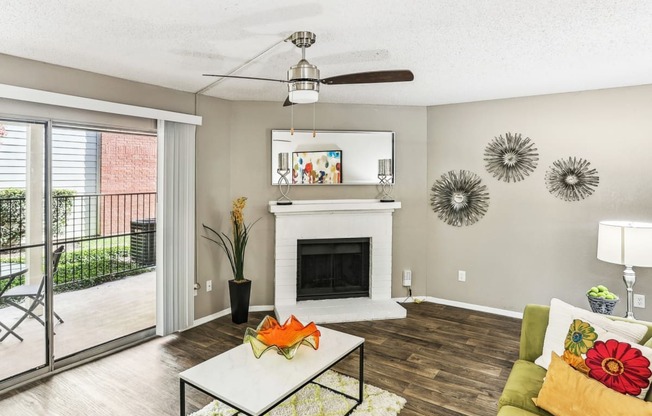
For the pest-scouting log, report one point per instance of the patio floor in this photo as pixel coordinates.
(91, 317)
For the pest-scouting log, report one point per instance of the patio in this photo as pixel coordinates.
(91, 317)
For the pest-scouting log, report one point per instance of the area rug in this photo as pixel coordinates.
(313, 400)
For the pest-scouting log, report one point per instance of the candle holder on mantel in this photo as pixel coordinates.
(283, 183)
(385, 175)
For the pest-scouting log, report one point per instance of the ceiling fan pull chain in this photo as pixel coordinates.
(291, 120)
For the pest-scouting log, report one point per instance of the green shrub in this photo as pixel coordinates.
(62, 200)
(90, 267)
(12, 214)
(12, 217)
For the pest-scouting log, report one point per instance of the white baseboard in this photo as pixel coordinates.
(224, 312)
(411, 299)
(464, 305)
(261, 308)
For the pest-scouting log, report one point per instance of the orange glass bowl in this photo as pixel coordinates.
(286, 338)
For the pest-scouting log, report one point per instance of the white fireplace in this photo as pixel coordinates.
(335, 219)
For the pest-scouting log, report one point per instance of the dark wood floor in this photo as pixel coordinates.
(443, 360)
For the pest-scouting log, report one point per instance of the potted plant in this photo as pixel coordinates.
(234, 246)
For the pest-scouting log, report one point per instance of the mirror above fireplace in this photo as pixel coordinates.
(332, 157)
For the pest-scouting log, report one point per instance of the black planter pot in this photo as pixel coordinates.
(239, 294)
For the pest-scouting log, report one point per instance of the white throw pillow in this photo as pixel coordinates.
(562, 315)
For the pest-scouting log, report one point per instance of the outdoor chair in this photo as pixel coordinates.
(35, 294)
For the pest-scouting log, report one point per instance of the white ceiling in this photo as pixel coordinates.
(459, 50)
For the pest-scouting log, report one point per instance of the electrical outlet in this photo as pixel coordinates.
(639, 301)
(461, 275)
(407, 278)
(209, 285)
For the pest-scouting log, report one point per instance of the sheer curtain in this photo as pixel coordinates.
(175, 234)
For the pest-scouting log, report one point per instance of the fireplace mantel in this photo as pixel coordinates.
(338, 205)
(326, 219)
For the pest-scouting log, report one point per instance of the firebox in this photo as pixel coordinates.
(332, 268)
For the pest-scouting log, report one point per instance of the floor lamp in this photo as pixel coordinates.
(629, 244)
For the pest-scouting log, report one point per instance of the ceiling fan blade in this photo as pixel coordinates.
(370, 77)
(239, 77)
(287, 102)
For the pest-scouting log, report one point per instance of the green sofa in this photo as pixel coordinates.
(526, 378)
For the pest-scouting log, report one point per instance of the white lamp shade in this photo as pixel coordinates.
(626, 243)
(303, 96)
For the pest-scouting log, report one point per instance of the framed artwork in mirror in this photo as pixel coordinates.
(317, 167)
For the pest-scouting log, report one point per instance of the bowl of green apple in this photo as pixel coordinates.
(601, 300)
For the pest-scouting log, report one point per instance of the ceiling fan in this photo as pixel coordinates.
(303, 78)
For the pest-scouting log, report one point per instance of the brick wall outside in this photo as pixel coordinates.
(128, 166)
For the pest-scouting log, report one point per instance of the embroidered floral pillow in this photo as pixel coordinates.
(613, 361)
(562, 315)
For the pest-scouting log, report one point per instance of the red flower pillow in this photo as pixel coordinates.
(618, 364)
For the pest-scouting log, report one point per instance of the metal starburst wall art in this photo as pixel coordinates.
(511, 158)
(459, 198)
(572, 179)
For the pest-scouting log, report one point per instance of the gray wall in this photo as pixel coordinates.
(247, 174)
(531, 246)
(213, 201)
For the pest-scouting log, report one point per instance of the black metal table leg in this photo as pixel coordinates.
(361, 379)
(182, 391)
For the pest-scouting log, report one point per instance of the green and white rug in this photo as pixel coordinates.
(314, 400)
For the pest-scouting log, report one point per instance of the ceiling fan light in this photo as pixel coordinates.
(304, 96)
(303, 92)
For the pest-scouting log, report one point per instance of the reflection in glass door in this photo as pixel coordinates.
(23, 257)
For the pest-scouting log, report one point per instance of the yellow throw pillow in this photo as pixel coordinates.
(567, 392)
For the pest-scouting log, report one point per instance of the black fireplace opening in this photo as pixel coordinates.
(332, 268)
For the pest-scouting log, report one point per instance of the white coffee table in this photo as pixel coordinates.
(255, 386)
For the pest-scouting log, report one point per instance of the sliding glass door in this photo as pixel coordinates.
(23, 290)
(77, 244)
(104, 195)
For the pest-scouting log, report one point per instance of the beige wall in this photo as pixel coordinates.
(213, 200)
(249, 147)
(531, 246)
(54, 78)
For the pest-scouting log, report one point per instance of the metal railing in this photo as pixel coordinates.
(106, 236)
